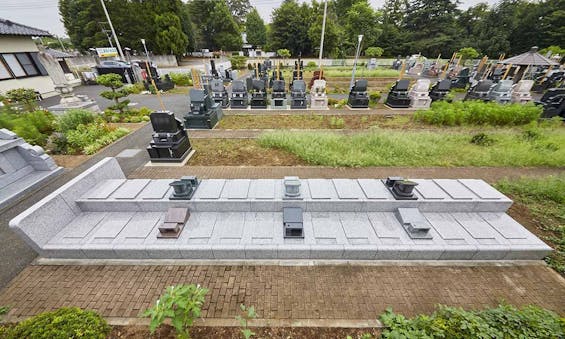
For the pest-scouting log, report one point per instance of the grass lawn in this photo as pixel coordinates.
(505, 147)
(345, 72)
(544, 201)
(316, 122)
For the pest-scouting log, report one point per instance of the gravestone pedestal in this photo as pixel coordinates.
(169, 140)
(204, 112)
(279, 94)
(23, 167)
(71, 101)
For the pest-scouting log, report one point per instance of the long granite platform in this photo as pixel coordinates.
(101, 214)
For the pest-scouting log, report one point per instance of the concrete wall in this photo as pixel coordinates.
(43, 84)
(90, 61)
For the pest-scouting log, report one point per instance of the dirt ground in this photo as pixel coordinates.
(141, 332)
(239, 152)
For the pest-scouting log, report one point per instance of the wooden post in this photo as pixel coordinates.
(402, 69)
(155, 86)
(507, 70)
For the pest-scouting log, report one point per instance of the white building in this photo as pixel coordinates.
(19, 60)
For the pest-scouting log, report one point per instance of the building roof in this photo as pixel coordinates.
(57, 53)
(8, 27)
(532, 57)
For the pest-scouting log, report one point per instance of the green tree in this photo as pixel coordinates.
(170, 38)
(374, 52)
(333, 33)
(255, 29)
(289, 28)
(283, 53)
(114, 82)
(239, 10)
(362, 19)
(433, 27)
(468, 53)
(215, 28)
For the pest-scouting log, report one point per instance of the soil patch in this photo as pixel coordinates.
(141, 332)
(70, 161)
(238, 152)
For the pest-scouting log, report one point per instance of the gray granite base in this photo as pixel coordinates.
(103, 215)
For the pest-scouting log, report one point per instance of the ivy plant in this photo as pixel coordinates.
(181, 304)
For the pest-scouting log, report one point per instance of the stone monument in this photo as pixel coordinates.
(318, 96)
(398, 95)
(298, 95)
(68, 99)
(358, 97)
(479, 91)
(440, 89)
(169, 142)
(23, 167)
(521, 92)
(278, 94)
(553, 103)
(500, 92)
(204, 112)
(259, 94)
(419, 97)
(219, 92)
(462, 78)
(239, 96)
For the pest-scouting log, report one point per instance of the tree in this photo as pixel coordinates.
(114, 82)
(362, 19)
(374, 52)
(283, 52)
(215, 27)
(289, 28)
(468, 53)
(239, 10)
(333, 33)
(255, 29)
(170, 38)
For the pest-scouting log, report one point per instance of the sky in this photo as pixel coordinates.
(43, 14)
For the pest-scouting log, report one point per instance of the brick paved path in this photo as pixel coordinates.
(490, 174)
(286, 292)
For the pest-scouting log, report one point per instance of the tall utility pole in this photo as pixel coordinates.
(113, 31)
(323, 33)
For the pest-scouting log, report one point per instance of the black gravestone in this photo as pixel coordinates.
(169, 140)
(358, 97)
(298, 95)
(398, 95)
(239, 98)
(259, 94)
(479, 91)
(440, 89)
(204, 112)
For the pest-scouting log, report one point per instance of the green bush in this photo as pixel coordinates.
(34, 127)
(61, 324)
(181, 79)
(482, 139)
(478, 113)
(23, 96)
(134, 88)
(90, 138)
(504, 321)
(238, 61)
(374, 97)
(72, 118)
(311, 64)
(182, 304)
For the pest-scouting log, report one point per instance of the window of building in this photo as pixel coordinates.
(14, 65)
(27, 64)
(4, 73)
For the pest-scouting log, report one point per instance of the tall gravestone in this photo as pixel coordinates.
(169, 140)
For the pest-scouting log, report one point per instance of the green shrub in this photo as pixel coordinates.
(181, 79)
(482, 139)
(311, 64)
(374, 97)
(23, 96)
(92, 137)
(114, 82)
(337, 123)
(182, 304)
(61, 324)
(72, 118)
(134, 88)
(238, 61)
(504, 321)
(478, 113)
(247, 313)
(34, 127)
(332, 101)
